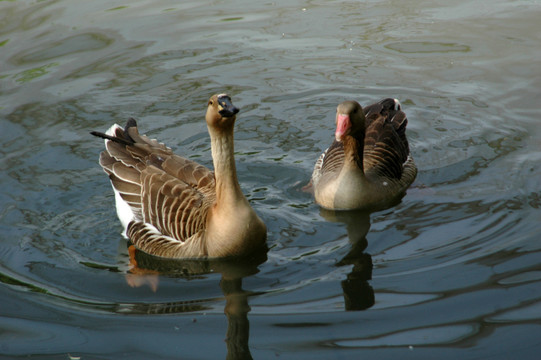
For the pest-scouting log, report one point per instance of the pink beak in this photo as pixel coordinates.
(342, 126)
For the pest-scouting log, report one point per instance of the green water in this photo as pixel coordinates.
(453, 271)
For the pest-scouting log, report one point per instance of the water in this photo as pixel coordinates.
(452, 271)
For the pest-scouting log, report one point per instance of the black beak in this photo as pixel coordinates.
(227, 109)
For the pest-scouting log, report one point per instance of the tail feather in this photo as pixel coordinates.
(112, 138)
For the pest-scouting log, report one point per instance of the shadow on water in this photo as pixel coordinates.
(358, 294)
(147, 269)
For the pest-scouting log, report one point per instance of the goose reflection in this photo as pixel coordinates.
(147, 269)
(358, 294)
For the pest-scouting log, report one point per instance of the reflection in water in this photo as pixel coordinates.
(238, 326)
(358, 294)
(139, 276)
(146, 270)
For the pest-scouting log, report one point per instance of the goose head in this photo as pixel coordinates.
(221, 112)
(350, 119)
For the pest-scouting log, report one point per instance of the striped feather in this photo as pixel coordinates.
(166, 194)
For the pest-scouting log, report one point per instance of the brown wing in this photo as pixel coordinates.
(174, 207)
(150, 151)
(174, 216)
(385, 146)
(148, 239)
(162, 189)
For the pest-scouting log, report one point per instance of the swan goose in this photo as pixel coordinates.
(172, 207)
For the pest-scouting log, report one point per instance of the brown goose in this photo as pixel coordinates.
(173, 207)
(369, 165)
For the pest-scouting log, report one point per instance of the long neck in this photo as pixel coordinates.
(353, 152)
(227, 186)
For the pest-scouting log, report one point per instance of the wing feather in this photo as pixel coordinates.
(171, 205)
(168, 195)
(385, 145)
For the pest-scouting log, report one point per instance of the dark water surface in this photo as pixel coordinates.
(453, 271)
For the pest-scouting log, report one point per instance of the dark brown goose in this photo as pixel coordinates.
(368, 166)
(173, 207)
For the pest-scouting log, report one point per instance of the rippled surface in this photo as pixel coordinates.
(454, 270)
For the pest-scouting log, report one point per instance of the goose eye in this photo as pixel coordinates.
(211, 102)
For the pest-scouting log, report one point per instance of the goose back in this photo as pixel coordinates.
(386, 148)
(169, 196)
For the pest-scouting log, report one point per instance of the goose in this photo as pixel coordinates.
(368, 165)
(173, 207)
